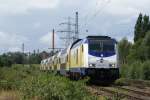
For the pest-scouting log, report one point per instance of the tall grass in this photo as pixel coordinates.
(51, 87)
(9, 95)
(136, 70)
(34, 84)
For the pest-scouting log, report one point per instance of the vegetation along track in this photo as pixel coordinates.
(120, 92)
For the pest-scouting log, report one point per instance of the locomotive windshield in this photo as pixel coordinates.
(101, 46)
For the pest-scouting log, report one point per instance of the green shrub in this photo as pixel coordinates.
(12, 77)
(50, 87)
(135, 70)
(124, 71)
(5, 85)
(34, 84)
(121, 82)
(146, 70)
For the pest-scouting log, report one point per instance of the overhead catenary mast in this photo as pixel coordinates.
(53, 40)
(76, 27)
(23, 54)
(70, 35)
(23, 48)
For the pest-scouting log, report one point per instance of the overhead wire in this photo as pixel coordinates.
(100, 10)
(97, 12)
(88, 13)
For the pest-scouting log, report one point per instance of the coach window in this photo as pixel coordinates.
(82, 48)
(67, 58)
(59, 60)
(74, 53)
(77, 56)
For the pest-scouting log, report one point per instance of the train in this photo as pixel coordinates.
(93, 56)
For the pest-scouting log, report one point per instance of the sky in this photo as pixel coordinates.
(31, 21)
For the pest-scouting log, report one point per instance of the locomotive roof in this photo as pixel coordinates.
(79, 41)
(98, 37)
(75, 42)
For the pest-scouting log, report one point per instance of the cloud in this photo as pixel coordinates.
(115, 7)
(14, 49)
(47, 40)
(124, 21)
(11, 42)
(32, 18)
(36, 25)
(127, 7)
(23, 6)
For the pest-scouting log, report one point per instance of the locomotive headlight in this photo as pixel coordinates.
(91, 65)
(111, 65)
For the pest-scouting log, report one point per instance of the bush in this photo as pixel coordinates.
(124, 70)
(51, 87)
(121, 82)
(146, 70)
(132, 71)
(34, 84)
(11, 77)
(136, 70)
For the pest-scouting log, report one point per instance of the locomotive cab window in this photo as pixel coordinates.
(100, 46)
(108, 46)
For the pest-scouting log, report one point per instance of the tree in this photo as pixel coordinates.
(145, 26)
(124, 47)
(35, 59)
(141, 49)
(142, 27)
(7, 59)
(146, 43)
(1, 62)
(138, 28)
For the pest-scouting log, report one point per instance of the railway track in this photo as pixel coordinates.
(143, 92)
(120, 92)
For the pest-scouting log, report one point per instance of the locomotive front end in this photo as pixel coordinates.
(102, 59)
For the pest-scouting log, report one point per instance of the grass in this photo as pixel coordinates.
(9, 95)
(32, 84)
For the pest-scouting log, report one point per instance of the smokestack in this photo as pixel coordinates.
(76, 25)
(53, 39)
